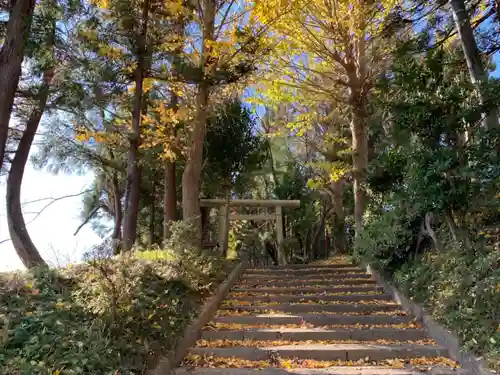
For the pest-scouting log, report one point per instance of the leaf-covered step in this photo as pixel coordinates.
(226, 343)
(431, 365)
(375, 296)
(344, 352)
(236, 303)
(310, 289)
(315, 319)
(305, 282)
(308, 271)
(413, 324)
(317, 307)
(296, 267)
(338, 370)
(300, 334)
(331, 275)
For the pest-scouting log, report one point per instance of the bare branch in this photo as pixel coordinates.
(4, 241)
(54, 200)
(87, 219)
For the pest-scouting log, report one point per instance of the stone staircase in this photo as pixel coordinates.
(313, 319)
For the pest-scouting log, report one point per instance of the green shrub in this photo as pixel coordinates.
(110, 316)
(387, 240)
(462, 290)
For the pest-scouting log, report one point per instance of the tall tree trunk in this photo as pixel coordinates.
(19, 235)
(169, 198)
(170, 185)
(357, 77)
(360, 163)
(11, 58)
(478, 74)
(116, 236)
(428, 219)
(192, 171)
(132, 190)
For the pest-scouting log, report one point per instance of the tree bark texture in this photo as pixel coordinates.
(11, 58)
(360, 163)
(19, 235)
(193, 168)
(170, 185)
(133, 185)
(478, 74)
(432, 234)
(357, 76)
(117, 208)
(191, 177)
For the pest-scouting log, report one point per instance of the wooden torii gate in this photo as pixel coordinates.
(224, 217)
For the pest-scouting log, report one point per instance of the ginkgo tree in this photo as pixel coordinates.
(330, 51)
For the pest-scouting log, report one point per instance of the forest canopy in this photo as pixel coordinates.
(381, 117)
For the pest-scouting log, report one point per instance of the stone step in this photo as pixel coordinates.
(301, 334)
(317, 307)
(339, 370)
(310, 271)
(314, 319)
(283, 277)
(302, 266)
(316, 297)
(320, 352)
(306, 282)
(302, 290)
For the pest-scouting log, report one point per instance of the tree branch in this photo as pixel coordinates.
(54, 200)
(87, 219)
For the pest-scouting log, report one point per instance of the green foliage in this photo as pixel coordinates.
(388, 239)
(438, 160)
(206, 265)
(302, 220)
(459, 288)
(232, 150)
(439, 157)
(462, 290)
(104, 317)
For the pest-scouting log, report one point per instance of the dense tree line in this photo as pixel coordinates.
(355, 108)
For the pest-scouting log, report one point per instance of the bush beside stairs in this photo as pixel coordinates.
(313, 319)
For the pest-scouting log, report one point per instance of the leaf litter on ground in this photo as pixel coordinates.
(224, 343)
(195, 361)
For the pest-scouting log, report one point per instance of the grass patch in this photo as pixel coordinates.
(106, 317)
